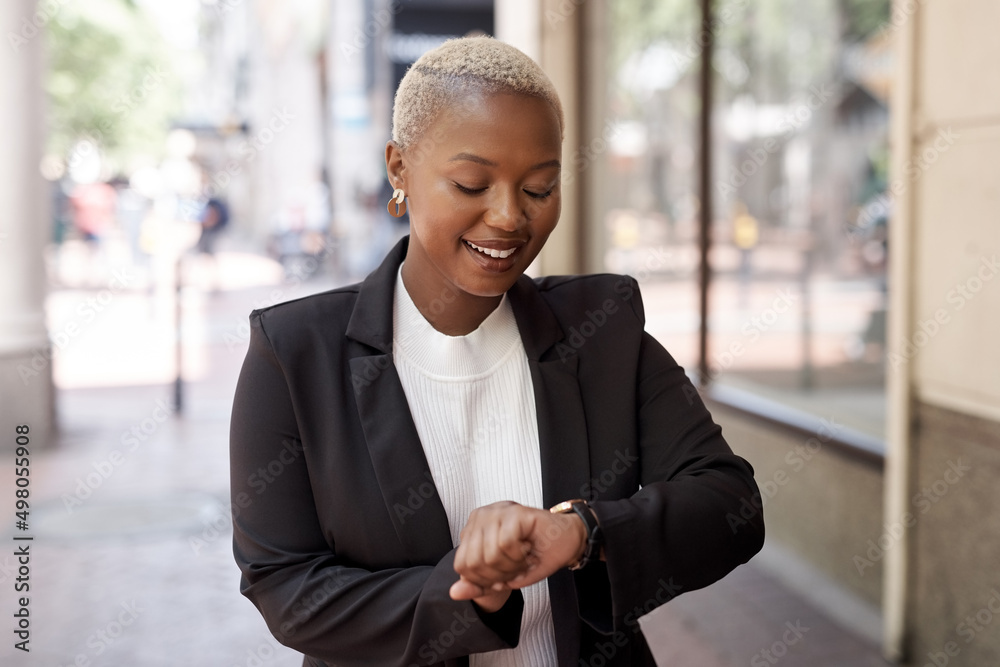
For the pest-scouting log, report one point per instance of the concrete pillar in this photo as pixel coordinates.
(26, 389)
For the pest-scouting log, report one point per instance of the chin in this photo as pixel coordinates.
(489, 288)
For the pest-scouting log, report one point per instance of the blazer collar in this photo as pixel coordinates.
(371, 320)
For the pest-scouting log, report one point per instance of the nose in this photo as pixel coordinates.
(506, 211)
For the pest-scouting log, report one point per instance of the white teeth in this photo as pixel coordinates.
(498, 254)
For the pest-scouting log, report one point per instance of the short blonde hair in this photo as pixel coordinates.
(459, 67)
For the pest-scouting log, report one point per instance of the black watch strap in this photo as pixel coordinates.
(594, 537)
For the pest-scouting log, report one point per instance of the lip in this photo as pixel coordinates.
(497, 244)
(494, 264)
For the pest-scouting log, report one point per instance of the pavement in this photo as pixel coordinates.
(131, 562)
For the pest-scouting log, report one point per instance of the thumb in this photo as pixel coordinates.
(463, 589)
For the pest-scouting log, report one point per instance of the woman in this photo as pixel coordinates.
(394, 443)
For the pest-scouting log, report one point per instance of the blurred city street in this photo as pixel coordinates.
(132, 562)
(807, 200)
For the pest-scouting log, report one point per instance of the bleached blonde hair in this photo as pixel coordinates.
(463, 66)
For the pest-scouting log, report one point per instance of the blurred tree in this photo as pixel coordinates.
(110, 80)
(864, 18)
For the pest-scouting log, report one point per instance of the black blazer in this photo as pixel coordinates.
(343, 541)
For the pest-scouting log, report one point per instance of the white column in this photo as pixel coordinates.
(548, 31)
(26, 389)
(899, 464)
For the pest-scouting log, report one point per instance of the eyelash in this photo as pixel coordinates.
(471, 191)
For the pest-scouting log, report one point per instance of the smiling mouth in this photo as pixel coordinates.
(492, 252)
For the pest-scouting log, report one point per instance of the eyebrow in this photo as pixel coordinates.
(471, 157)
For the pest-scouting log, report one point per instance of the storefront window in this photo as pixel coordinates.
(800, 144)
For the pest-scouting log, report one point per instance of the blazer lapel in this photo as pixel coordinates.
(562, 423)
(562, 439)
(393, 443)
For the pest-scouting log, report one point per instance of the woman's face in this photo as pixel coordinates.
(483, 192)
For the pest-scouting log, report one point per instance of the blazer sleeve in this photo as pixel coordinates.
(687, 526)
(311, 599)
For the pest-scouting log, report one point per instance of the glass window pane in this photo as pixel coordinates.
(799, 258)
(647, 209)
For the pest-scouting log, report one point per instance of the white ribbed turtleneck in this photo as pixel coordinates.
(472, 403)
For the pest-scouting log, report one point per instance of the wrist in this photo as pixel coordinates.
(578, 529)
(593, 541)
(492, 602)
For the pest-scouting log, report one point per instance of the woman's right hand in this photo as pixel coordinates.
(506, 545)
(492, 601)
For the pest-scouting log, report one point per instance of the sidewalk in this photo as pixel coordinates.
(132, 564)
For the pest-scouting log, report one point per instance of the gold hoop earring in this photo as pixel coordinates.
(399, 199)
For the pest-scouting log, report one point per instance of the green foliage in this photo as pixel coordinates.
(110, 80)
(864, 18)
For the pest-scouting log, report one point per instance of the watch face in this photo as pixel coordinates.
(564, 506)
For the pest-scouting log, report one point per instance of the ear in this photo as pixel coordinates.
(394, 166)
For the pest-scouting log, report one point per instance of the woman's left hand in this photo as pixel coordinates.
(507, 545)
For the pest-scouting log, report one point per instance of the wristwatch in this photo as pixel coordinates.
(594, 535)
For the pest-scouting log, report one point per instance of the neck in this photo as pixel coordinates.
(448, 309)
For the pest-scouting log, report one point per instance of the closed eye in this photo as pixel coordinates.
(538, 195)
(469, 191)
(476, 191)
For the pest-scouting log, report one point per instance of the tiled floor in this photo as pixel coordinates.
(132, 565)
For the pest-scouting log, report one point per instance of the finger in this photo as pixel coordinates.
(502, 553)
(469, 557)
(512, 535)
(463, 589)
(480, 565)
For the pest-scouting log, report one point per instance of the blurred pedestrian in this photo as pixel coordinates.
(93, 206)
(214, 218)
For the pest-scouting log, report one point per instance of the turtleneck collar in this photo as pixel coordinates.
(476, 354)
